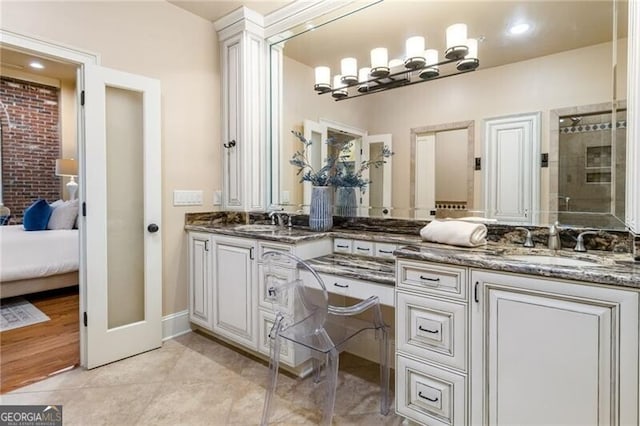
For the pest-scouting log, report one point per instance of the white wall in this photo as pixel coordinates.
(159, 40)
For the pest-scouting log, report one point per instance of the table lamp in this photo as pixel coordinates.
(68, 167)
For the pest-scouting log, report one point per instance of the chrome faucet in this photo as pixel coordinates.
(528, 239)
(580, 241)
(554, 237)
(278, 219)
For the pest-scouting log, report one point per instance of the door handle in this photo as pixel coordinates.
(153, 228)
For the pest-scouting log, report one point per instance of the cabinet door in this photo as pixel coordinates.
(234, 304)
(547, 352)
(200, 280)
(232, 137)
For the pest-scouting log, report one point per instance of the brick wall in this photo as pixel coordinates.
(31, 146)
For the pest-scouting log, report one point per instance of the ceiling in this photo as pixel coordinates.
(211, 10)
(556, 26)
(18, 61)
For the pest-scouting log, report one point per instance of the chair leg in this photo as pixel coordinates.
(331, 372)
(384, 371)
(274, 364)
(317, 367)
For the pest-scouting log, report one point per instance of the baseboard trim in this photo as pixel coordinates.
(175, 324)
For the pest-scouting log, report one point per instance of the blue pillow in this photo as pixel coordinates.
(36, 216)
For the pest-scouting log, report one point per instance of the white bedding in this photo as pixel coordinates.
(30, 254)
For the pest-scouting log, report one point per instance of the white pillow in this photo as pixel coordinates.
(64, 215)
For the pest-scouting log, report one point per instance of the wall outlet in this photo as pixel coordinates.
(187, 198)
(217, 198)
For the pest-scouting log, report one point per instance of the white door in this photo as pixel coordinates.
(122, 228)
(425, 178)
(512, 172)
(317, 154)
(376, 199)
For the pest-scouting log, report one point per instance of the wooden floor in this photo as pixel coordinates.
(32, 353)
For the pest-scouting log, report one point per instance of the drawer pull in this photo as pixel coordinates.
(341, 246)
(363, 248)
(427, 398)
(427, 330)
(341, 285)
(435, 280)
(386, 251)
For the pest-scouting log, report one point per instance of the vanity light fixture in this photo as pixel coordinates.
(418, 66)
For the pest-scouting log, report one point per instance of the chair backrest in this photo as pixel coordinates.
(302, 302)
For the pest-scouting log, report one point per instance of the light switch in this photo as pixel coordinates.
(187, 198)
(285, 197)
(217, 198)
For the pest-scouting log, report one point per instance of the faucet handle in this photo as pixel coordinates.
(580, 241)
(528, 239)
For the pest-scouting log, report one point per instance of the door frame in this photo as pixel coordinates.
(80, 58)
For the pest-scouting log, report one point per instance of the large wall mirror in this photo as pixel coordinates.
(536, 134)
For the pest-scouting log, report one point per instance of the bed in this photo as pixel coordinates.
(33, 261)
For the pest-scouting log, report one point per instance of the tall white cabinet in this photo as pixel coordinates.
(244, 141)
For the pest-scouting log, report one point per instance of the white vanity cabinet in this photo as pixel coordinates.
(200, 296)
(432, 352)
(233, 289)
(547, 351)
(227, 294)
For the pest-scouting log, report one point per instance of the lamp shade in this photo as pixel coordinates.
(323, 79)
(363, 74)
(349, 70)
(415, 52)
(472, 44)
(379, 57)
(456, 41)
(432, 56)
(66, 167)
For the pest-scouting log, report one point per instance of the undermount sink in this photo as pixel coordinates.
(551, 260)
(257, 228)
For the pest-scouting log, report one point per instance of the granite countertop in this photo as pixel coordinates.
(296, 235)
(602, 267)
(382, 271)
(610, 268)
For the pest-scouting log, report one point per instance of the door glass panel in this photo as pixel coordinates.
(125, 208)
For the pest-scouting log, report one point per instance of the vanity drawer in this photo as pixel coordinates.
(342, 245)
(287, 348)
(434, 279)
(385, 250)
(265, 300)
(265, 246)
(429, 395)
(432, 329)
(363, 248)
(358, 289)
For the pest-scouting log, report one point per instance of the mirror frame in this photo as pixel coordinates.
(298, 13)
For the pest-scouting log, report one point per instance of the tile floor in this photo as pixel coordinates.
(195, 380)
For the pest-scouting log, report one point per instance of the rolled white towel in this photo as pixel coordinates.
(455, 232)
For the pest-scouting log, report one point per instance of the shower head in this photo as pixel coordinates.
(575, 120)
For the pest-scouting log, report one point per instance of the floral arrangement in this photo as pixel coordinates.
(336, 170)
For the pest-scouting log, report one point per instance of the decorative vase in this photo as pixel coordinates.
(320, 213)
(346, 201)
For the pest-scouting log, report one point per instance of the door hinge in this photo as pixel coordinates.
(84, 209)
(84, 319)
(82, 98)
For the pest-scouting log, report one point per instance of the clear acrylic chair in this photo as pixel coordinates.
(305, 317)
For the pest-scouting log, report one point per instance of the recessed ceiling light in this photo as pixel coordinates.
(518, 29)
(37, 65)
